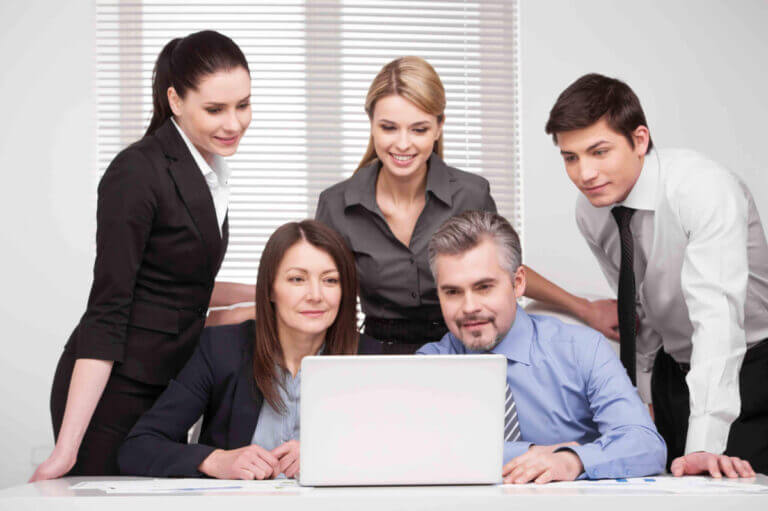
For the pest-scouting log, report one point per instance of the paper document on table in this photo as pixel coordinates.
(688, 484)
(190, 485)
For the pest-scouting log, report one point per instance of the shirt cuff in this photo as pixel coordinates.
(101, 351)
(575, 449)
(707, 433)
(515, 449)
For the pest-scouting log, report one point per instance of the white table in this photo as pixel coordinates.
(58, 495)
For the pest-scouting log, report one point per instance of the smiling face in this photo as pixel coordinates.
(306, 292)
(403, 135)
(478, 297)
(601, 162)
(215, 115)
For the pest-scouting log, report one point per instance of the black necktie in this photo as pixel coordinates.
(627, 310)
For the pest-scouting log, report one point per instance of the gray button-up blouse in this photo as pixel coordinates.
(395, 281)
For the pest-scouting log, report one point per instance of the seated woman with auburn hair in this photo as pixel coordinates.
(245, 379)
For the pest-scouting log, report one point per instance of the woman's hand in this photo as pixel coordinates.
(602, 315)
(288, 454)
(57, 465)
(89, 377)
(249, 462)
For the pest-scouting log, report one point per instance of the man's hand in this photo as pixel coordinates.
(288, 454)
(716, 464)
(603, 316)
(542, 465)
(250, 462)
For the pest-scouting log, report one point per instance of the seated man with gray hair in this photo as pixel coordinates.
(571, 411)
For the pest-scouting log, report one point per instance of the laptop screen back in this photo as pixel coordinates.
(375, 420)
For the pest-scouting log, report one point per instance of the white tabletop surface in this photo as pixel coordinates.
(57, 494)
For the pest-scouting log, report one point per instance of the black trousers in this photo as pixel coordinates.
(748, 438)
(124, 400)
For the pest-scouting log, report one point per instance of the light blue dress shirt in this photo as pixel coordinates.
(274, 428)
(569, 385)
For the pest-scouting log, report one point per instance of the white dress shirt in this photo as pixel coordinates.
(216, 177)
(701, 274)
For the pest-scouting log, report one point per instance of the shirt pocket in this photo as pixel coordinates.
(367, 263)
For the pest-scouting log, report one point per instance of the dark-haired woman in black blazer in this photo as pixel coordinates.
(245, 379)
(161, 237)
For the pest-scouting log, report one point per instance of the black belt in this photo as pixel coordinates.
(405, 331)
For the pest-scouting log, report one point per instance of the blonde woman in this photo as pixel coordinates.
(401, 192)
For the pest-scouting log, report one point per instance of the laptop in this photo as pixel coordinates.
(402, 420)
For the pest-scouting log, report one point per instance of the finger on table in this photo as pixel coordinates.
(529, 475)
(265, 455)
(511, 465)
(678, 466)
(261, 468)
(751, 470)
(544, 477)
(244, 474)
(726, 466)
(712, 466)
(514, 473)
(293, 469)
(286, 462)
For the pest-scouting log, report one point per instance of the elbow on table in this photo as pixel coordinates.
(655, 456)
(131, 458)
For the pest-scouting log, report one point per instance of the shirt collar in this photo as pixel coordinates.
(439, 179)
(219, 169)
(643, 193)
(516, 345)
(362, 185)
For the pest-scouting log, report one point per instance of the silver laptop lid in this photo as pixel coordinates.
(374, 420)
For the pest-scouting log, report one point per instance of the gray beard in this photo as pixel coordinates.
(487, 347)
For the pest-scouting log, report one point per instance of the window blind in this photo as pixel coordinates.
(311, 65)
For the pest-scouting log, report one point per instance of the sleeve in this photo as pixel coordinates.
(125, 213)
(322, 213)
(628, 445)
(514, 449)
(490, 204)
(157, 444)
(714, 214)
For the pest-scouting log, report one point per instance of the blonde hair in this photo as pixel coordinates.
(413, 79)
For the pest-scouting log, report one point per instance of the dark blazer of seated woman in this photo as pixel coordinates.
(217, 383)
(305, 305)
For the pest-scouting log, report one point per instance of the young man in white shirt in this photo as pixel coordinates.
(680, 239)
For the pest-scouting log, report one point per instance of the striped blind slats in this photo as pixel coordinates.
(311, 65)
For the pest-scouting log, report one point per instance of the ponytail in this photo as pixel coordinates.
(161, 81)
(183, 62)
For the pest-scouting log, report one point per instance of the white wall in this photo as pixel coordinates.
(699, 68)
(47, 167)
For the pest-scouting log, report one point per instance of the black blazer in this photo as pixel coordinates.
(217, 383)
(158, 250)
